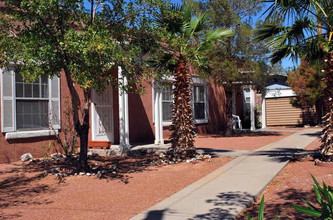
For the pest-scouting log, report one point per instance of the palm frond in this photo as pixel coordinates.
(196, 24)
(219, 34)
(171, 18)
(268, 31)
(283, 52)
(312, 51)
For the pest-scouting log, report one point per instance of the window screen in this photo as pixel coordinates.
(32, 101)
(199, 100)
(167, 100)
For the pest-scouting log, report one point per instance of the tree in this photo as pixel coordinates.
(82, 39)
(304, 30)
(185, 43)
(307, 82)
(239, 58)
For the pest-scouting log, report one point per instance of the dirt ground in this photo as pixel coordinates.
(290, 186)
(27, 194)
(245, 141)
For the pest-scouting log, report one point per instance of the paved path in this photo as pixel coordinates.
(224, 193)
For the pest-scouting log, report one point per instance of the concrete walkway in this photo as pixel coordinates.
(227, 191)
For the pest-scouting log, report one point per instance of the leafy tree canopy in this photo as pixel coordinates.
(240, 58)
(48, 36)
(307, 82)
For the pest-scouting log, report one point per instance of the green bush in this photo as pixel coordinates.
(324, 200)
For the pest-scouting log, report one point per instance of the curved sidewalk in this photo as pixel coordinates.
(224, 193)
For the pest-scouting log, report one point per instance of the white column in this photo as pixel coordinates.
(158, 115)
(252, 101)
(263, 110)
(233, 100)
(126, 121)
(123, 113)
(161, 141)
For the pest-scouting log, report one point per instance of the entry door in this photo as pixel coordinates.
(102, 117)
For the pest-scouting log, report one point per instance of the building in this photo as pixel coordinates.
(277, 107)
(32, 114)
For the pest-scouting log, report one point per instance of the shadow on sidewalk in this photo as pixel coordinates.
(156, 214)
(225, 204)
(283, 154)
(316, 134)
(244, 133)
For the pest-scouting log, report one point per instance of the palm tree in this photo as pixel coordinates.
(304, 31)
(185, 44)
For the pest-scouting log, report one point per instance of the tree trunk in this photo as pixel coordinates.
(228, 131)
(182, 128)
(83, 131)
(81, 128)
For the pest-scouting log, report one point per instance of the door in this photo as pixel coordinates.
(102, 115)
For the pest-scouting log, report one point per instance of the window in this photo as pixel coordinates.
(167, 100)
(32, 100)
(199, 102)
(28, 106)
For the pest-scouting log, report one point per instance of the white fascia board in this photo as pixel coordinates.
(30, 134)
(276, 93)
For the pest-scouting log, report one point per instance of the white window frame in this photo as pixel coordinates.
(197, 81)
(166, 123)
(15, 99)
(17, 134)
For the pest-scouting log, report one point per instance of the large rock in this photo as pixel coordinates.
(26, 157)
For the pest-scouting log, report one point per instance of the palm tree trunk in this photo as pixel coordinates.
(327, 137)
(228, 131)
(182, 128)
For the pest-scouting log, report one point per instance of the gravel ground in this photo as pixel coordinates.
(245, 141)
(29, 195)
(290, 186)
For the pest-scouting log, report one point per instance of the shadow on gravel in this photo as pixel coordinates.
(4, 216)
(214, 152)
(281, 206)
(225, 203)
(20, 189)
(22, 185)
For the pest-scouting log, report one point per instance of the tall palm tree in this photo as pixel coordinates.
(185, 44)
(304, 31)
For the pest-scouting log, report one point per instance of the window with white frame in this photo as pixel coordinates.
(32, 101)
(167, 101)
(29, 106)
(199, 102)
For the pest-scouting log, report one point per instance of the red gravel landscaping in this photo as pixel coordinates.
(290, 186)
(26, 194)
(245, 141)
